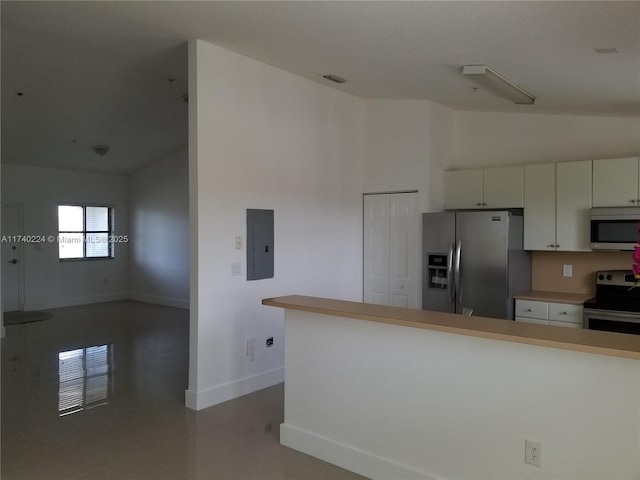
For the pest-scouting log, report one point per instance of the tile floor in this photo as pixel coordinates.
(125, 418)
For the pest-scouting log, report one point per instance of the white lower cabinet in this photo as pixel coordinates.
(565, 313)
(565, 324)
(549, 313)
(529, 309)
(532, 320)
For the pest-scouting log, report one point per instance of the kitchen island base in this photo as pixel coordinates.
(391, 402)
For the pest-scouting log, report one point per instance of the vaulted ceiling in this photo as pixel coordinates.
(77, 74)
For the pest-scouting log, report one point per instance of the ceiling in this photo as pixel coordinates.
(113, 73)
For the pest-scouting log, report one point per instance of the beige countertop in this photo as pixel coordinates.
(589, 341)
(558, 297)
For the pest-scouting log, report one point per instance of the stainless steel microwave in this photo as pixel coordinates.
(614, 228)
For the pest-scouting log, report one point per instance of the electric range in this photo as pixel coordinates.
(616, 306)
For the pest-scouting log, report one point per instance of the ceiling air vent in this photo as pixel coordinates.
(334, 78)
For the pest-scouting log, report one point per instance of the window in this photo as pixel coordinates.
(85, 232)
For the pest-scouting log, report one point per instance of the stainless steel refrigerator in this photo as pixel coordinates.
(473, 261)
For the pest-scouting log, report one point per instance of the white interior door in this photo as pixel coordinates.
(11, 255)
(376, 249)
(391, 249)
(404, 269)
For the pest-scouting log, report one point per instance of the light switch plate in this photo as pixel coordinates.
(235, 269)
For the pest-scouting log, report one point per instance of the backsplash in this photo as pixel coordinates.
(546, 269)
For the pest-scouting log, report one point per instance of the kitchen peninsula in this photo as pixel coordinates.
(390, 392)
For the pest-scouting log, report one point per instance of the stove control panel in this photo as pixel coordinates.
(622, 278)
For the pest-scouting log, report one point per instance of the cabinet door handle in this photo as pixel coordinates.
(528, 310)
(479, 204)
(563, 313)
(551, 245)
(632, 201)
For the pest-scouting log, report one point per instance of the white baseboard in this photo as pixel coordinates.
(347, 457)
(228, 391)
(73, 301)
(158, 300)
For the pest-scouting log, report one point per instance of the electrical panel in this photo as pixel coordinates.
(259, 244)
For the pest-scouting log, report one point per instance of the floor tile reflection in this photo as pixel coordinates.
(96, 392)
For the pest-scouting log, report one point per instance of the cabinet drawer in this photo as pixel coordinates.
(563, 312)
(565, 324)
(531, 309)
(534, 320)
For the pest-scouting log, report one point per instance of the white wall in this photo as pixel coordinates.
(264, 138)
(159, 219)
(50, 283)
(409, 143)
(412, 403)
(396, 144)
(442, 143)
(484, 138)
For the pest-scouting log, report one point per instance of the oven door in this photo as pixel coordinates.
(612, 321)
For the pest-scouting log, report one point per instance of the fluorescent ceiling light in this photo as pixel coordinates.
(496, 83)
(606, 50)
(334, 78)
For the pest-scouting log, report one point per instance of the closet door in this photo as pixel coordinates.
(404, 266)
(376, 249)
(391, 250)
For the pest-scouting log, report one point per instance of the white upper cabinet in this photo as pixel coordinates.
(492, 188)
(573, 205)
(504, 187)
(557, 197)
(615, 182)
(540, 207)
(463, 189)
(556, 206)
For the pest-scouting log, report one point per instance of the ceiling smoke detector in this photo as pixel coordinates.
(101, 149)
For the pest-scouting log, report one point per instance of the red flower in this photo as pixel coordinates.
(635, 267)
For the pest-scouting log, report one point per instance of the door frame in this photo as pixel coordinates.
(20, 254)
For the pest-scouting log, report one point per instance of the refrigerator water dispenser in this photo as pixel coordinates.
(437, 270)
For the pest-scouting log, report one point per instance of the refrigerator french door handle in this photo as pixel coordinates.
(450, 277)
(457, 270)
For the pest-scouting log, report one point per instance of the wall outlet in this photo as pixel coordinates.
(269, 342)
(532, 453)
(567, 270)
